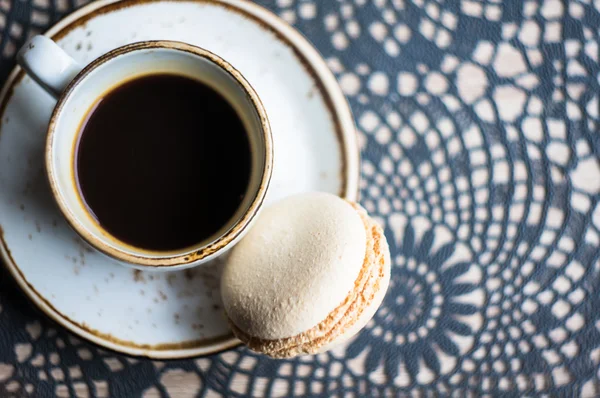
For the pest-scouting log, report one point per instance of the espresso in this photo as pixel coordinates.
(162, 162)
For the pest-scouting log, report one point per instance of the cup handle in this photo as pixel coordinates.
(48, 64)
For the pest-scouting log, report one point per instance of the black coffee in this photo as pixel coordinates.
(163, 162)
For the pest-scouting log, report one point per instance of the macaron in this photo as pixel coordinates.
(310, 274)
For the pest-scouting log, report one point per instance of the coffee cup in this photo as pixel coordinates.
(78, 90)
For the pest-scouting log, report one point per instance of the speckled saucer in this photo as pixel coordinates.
(178, 314)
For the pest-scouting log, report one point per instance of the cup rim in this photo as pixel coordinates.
(168, 259)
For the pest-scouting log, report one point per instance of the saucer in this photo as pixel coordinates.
(178, 314)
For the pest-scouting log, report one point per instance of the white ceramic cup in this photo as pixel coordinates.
(77, 90)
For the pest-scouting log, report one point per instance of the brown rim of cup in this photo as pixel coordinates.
(162, 259)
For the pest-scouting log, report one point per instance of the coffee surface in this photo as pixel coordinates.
(162, 162)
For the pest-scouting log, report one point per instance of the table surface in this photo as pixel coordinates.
(478, 124)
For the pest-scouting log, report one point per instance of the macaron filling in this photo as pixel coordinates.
(367, 285)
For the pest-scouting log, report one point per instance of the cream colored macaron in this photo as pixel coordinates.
(310, 273)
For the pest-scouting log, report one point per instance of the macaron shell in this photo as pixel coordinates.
(353, 313)
(294, 267)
